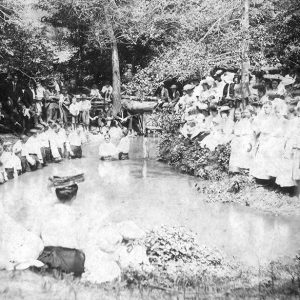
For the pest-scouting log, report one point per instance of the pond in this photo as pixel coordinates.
(151, 194)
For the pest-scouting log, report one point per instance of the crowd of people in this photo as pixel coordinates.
(263, 130)
(51, 143)
(24, 106)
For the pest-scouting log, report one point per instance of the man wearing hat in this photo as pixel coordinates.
(64, 102)
(33, 147)
(51, 102)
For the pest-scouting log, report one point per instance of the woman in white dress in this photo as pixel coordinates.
(262, 160)
(107, 150)
(242, 142)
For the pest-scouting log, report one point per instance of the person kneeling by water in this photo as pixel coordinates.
(11, 162)
(73, 144)
(124, 146)
(107, 150)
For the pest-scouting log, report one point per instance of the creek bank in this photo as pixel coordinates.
(212, 175)
(179, 267)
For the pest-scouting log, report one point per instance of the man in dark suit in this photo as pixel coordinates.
(14, 90)
(28, 95)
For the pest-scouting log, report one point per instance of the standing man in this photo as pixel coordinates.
(64, 102)
(107, 92)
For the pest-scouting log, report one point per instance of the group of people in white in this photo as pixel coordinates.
(46, 144)
(264, 134)
(52, 143)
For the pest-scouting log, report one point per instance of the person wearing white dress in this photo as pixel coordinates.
(107, 150)
(242, 142)
(11, 162)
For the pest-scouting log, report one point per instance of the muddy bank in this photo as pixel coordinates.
(244, 191)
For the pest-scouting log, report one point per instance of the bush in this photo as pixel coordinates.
(187, 155)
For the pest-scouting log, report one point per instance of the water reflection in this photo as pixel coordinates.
(151, 194)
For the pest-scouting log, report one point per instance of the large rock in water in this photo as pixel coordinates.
(100, 267)
(130, 231)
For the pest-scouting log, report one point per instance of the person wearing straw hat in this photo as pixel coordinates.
(51, 102)
(64, 102)
(222, 132)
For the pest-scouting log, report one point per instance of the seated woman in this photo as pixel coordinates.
(195, 122)
(242, 142)
(221, 133)
(107, 150)
(124, 145)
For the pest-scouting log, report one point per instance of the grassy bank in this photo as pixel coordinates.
(215, 182)
(180, 269)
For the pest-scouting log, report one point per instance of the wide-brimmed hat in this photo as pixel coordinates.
(202, 106)
(188, 87)
(224, 108)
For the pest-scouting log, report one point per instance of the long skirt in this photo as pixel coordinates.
(240, 158)
(9, 173)
(37, 164)
(77, 151)
(25, 165)
(262, 160)
(48, 158)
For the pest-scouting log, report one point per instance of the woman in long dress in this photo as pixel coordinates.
(242, 142)
(262, 160)
(289, 169)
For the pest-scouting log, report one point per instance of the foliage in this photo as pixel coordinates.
(24, 48)
(187, 155)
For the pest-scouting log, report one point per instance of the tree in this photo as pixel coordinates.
(101, 24)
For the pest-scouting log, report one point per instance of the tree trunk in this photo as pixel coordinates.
(245, 54)
(116, 78)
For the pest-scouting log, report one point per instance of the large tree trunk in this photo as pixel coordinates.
(245, 54)
(116, 78)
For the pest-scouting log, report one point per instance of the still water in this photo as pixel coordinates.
(152, 194)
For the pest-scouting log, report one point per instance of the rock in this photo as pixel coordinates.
(135, 257)
(100, 267)
(130, 231)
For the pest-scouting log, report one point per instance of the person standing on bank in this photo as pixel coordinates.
(64, 102)
(85, 107)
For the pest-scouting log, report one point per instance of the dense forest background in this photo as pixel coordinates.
(92, 40)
